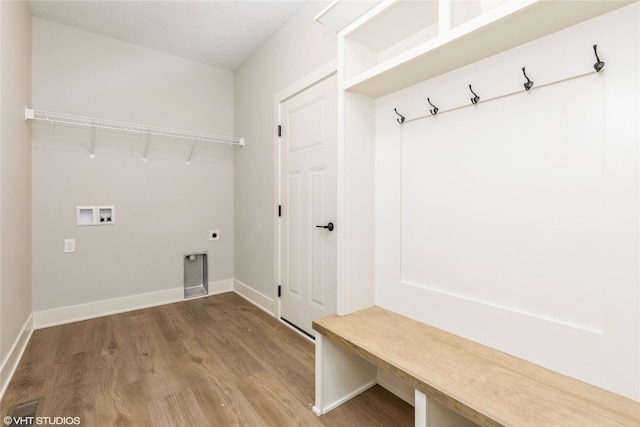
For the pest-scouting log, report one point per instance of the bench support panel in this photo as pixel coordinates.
(340, 375)
(421, 409)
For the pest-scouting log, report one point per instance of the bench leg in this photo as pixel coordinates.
(421, 409)
(340, 375)
(318, 408)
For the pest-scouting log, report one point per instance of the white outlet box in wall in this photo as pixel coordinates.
(95, 215)
(84, 215)
(69, 245)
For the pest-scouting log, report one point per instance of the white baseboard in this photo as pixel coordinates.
(221, 286)
(256, 298)
(91, 310)
(10, 363)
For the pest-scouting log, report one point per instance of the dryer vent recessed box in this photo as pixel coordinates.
(95, 215)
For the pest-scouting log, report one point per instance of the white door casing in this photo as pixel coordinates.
(308, 193)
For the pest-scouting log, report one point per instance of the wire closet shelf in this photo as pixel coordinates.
(93, 123)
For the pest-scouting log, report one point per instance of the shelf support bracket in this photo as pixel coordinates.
(193, 145)
(146, 148)
(92, 150)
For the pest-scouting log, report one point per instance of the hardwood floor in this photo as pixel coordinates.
(214, 361)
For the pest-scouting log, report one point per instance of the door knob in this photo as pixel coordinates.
(328, 226)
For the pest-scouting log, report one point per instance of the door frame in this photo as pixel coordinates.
(326, 71)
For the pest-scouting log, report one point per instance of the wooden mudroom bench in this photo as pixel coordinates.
(484, 385)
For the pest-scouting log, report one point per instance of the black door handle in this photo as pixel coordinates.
(328, 226)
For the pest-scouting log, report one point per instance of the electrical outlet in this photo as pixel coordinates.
(214, 234)
(69, 245)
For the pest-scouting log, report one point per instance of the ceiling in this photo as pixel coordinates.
(218, 33)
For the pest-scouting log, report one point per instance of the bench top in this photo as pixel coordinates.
(487, 386)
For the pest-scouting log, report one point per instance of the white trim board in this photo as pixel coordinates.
(10, 363)
(322, 73)
(220, 287)
(75, 313)
(256, 298)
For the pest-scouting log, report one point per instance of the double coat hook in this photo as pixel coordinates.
(475, 98)
(400, 120)
(529, 84)
(434, 110)
(600, 64)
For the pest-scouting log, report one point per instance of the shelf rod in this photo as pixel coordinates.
(71, 120)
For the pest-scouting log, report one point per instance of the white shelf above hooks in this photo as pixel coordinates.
(93, 124)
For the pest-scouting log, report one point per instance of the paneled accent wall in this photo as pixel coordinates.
(514, 222)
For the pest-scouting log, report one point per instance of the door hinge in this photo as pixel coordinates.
(279, 210)
(279, 130)
(279, 291)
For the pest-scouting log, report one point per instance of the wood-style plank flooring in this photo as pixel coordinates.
(214, 361)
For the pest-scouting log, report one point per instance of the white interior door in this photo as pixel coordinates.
(308, 189)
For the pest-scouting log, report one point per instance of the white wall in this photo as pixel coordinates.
(164, 208)
(15, 185)
(296, 50)
(515, 222)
